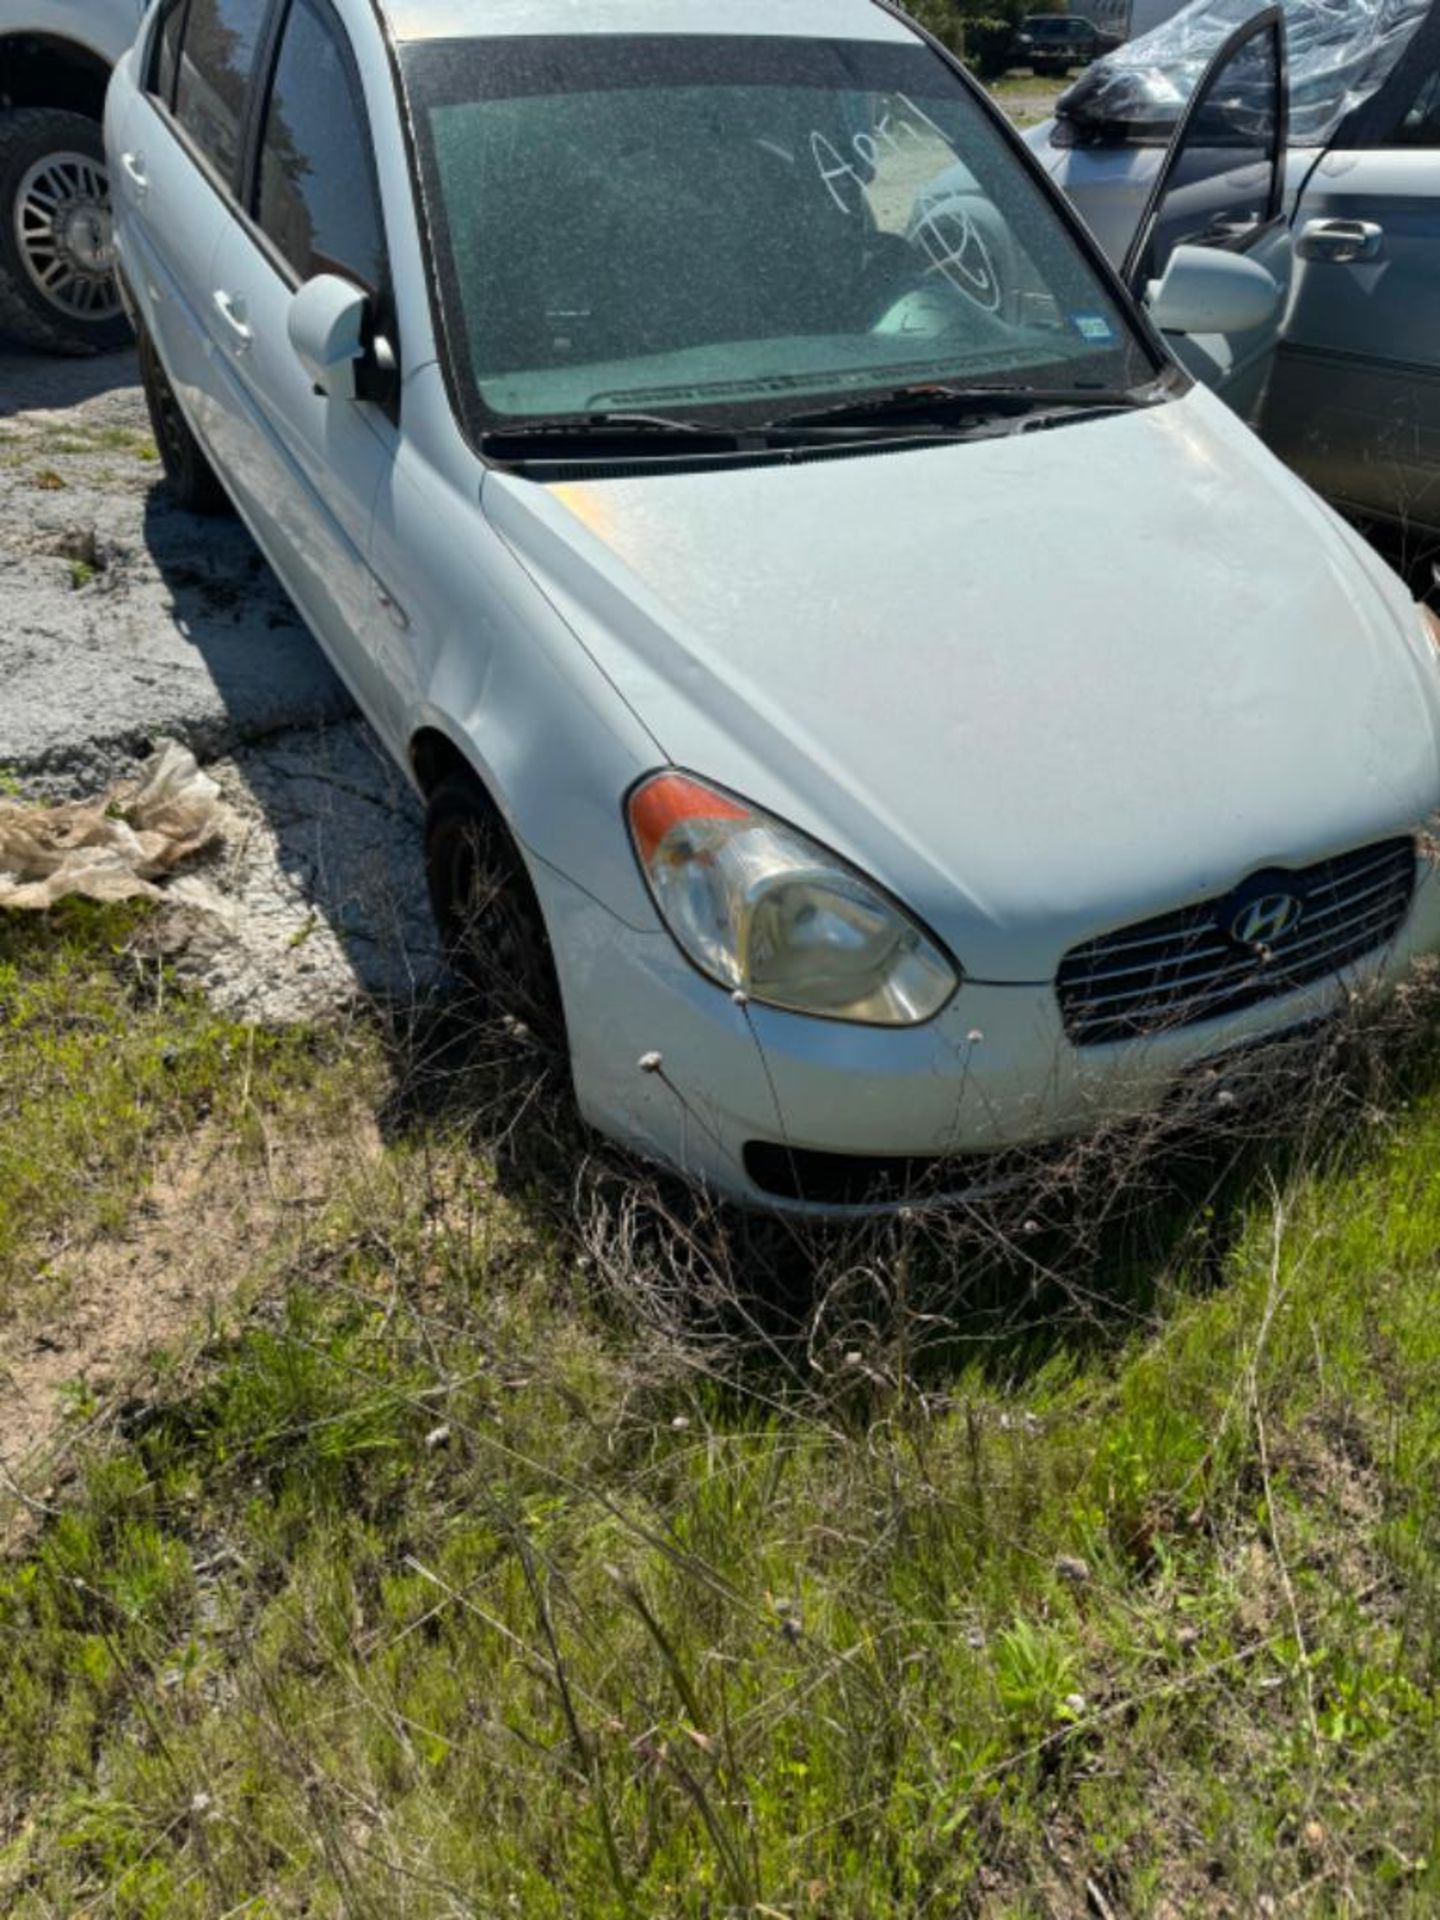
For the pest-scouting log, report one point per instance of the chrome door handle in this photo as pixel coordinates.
(231, 309)
(1341, 242)
(134, 166)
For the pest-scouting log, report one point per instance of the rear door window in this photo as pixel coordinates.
(1421, 124)
(165, 56)
(316, 199)
(216, 58)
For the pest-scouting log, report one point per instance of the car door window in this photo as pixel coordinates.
(165, 51)
(1421, 125)
(213, 71)
(316, 199)
(1222, 181)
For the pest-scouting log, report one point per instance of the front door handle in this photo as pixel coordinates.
(134, 166)
(231, 309)
(1341, 242)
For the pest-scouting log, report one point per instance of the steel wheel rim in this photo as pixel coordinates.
(64, 235)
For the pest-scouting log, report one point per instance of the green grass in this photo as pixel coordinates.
(1028, 98)
(27, 444)
(448, 1585)
(87, 438)
(102, 1063)
(1029, 85)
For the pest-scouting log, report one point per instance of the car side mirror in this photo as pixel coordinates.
(1205, 290)
(326, 324)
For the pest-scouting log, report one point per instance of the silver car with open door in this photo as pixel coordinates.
(1345, 385)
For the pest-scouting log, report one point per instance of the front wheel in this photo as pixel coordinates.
(491, 925)
(58, 290)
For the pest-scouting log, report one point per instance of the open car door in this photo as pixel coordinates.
(1222, 185)
(1354, 404)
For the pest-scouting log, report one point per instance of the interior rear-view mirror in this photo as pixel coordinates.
(326, 325)
(1206, 290)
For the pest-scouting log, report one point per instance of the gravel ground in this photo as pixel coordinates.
(126, 620)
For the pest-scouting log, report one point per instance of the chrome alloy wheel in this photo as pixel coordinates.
(65, 236)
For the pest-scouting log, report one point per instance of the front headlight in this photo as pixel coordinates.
(1430, 623)
(763, 910)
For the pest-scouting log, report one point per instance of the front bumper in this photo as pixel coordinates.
(673, 1067)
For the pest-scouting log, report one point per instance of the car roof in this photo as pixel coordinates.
(487, 19)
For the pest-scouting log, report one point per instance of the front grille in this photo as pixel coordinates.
(1182, 968)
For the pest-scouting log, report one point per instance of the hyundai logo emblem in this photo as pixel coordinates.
(1260, 923)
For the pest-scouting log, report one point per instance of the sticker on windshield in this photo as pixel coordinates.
(1093, 327)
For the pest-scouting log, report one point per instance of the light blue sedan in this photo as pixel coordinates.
(660, 462)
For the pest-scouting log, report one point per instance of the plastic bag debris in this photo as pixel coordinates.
(1341, 52)
(114, 848)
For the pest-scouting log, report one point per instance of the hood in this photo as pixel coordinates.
(1039, 686)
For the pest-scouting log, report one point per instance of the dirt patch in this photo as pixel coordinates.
(127, 620)
(206, 1225)
(315, 895)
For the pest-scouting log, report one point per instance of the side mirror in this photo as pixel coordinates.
(326, 324)
(1204, 290)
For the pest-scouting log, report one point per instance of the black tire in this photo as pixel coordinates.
(191, 476)
(66, 240)
(490, 921)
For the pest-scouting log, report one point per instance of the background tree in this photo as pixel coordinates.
(980, 31)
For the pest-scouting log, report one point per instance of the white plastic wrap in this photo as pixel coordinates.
(116, 847)
(1341, 52)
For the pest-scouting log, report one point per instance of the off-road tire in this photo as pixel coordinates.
(191, 476)
(28, 135)
(491, 925)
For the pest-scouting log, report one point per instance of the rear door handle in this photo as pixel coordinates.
(1341, 242)
(134, 165)
(231, 309)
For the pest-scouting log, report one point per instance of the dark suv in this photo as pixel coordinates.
(1056, 42)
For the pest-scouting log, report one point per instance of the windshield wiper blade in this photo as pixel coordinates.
(941, 402)
(606, 436)
(570, 425)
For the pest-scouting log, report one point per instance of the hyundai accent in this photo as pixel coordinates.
(659, 463)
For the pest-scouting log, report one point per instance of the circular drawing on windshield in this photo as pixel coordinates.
(956, 248)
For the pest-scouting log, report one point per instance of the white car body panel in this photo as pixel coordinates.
(104, 27)
(961, 727)
(166, 237)
(995, 1070)
(304, 472)
(791, 19)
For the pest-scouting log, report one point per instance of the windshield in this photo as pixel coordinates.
(719, 227)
